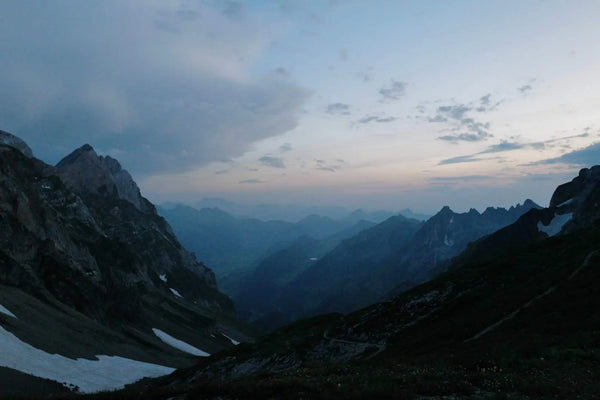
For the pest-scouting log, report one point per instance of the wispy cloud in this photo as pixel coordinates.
(338, 109)
(393, 92)
(251, 181)
(460, 178)
(525, 89)
(284, 148)
(460, 159)
(587, 156)
(506, 146)
(373, 118)
(270, 161)
(329, 166)
(463, 127)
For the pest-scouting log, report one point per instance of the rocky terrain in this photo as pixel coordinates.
(521, 324)
(88, 268)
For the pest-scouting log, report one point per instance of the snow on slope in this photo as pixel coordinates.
(233, 341)
(5, 310)
(106, 373)
(179, 344)
(556, 225)
(176, 293)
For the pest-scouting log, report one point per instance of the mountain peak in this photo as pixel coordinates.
(13, 141)
(579, 187)
(86, 172)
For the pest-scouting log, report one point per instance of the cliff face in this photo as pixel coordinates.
(80, 238)
(88, 217)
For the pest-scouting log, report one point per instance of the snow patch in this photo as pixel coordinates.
(565, 203)
(105, 373)
(175, 292)
(313, 259)
(179, 344)
(556, 225)
(235, 342)
(163, 277)
(448, 242)
(5, 310)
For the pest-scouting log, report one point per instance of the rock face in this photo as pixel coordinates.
(80, 237)
(6, 139)
(574, 206)
(84, 171)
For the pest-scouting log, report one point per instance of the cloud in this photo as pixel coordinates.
(372, 118)
(282, 72)
(511, 146)
(587, 156)
(459, 159)
(465, 137)
(274, 162)
(485, 100)
(460, 178)
(251, 181)
(338, 109)
(284, 148)
(162, 86)
(392, 92)
(221, 172)
(505, 146)
(454, 112)
(329, 167)
(463, 127)
(234, 9)
(525, 89)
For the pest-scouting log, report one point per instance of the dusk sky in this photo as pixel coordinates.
(374, 104)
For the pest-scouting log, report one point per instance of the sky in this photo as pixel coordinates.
(373, 104)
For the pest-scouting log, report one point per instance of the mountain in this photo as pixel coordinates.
(93, 280)
(288, 212)
(229, 243)
(523, 324)
(387, 258)
(573, 206)
(257, 291)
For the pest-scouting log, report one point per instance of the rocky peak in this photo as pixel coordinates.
(85, 171)
(579, 188)
(6, 139)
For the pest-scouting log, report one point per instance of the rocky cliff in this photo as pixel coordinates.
(80, 239)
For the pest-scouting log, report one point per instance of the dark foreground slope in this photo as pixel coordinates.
(522, 324)
(87, 268)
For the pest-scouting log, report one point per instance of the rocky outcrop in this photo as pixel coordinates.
(6, 139)
(80, 239)
(85, 172)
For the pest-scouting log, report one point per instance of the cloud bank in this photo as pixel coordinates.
(162, 86)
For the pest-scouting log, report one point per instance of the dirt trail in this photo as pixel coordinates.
(551, 289)
(380, 347)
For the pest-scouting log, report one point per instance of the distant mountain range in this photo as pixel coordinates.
(229, 243)
(387, 258)
(516, 315)
(294, 212)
